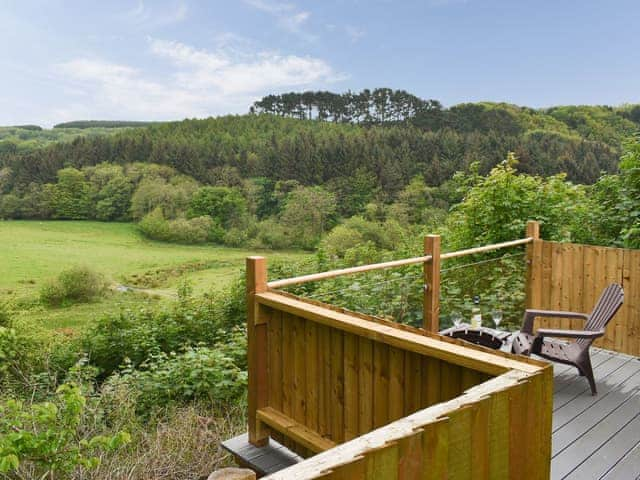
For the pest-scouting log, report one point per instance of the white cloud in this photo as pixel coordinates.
(354, 33)
(287, 15)
(200, 82)
(157, 17)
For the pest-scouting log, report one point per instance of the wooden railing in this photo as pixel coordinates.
(431, 265)
(365, 398)
(374, 399)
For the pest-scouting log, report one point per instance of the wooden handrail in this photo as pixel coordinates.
(314, 277)
(346, 271)
(486, 248)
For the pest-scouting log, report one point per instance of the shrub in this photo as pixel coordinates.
(140, 334)
(194, 230)
(225, 205)
(272, 235)
(235, 237)
(339, 240)
(154, 225)
(75, 285)
(45, 436)
(215, 374)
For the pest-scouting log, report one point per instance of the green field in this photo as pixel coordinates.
(31, 252)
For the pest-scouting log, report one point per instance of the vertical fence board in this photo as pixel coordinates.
(337, 386)
(576, 284)
(460, 424)
(383, 462)
(274, 335)
(546, 280)
(324, 397)
(430, 381)
(350, 386)
(287, 365)
(556, 280)
(313, 379)
(298, 337)
(480, 439)
(631, 308)
(365, 384)
(435, 450)
(396, 383)
(518, 435)
(450, 381)
(566, 258)
(410, 462)
(413, 382)
(499, 436)
(380, 384)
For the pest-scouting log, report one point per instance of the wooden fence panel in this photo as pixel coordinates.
(565, 276)
(341, 386)
(501, 432)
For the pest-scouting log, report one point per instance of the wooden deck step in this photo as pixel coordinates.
(266, 460)
(294, 430)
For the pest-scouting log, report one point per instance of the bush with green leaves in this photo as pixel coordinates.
(216, 374)
(270, 234)
(139, 334)
(496, 208)
(46, 440)
(226, 206)
(615, 214)
(77, 284)
(180, 230)
(356, 231)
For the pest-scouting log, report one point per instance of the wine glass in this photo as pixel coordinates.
(456, 318)
(496, 315)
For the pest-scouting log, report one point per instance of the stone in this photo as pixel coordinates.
(233, 474)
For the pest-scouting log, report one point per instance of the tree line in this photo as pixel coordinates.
(232, 148)
(387, 106)
(380, 105)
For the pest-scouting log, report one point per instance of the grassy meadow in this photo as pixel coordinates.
(32, 252)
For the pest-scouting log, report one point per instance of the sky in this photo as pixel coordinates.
(63, 60)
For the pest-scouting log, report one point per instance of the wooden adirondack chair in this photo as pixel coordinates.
(574, 353)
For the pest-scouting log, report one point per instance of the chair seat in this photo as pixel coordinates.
(552, 350)
(560, 352)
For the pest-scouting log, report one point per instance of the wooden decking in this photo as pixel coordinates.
(594, 437)
(597, 437)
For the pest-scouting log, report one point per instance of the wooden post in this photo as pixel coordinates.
(533, 229)
(431, 305)
(257, 349)
(534, 266)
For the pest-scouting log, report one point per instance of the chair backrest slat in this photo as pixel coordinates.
(605, 309)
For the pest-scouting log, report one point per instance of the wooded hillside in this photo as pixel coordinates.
(393, 141)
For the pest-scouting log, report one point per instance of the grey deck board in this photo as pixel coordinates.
(597, 437)
(264, 460)
(627, 467)
(598, 463)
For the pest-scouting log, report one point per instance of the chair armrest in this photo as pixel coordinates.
(531, 314)
(549, 332)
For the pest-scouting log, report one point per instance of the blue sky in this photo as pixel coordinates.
(171, 59)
